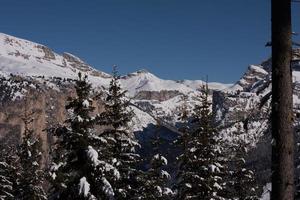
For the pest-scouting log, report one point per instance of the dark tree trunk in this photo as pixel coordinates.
(282, 103)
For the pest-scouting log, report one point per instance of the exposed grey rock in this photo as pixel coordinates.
(156, 95)
(49, 55)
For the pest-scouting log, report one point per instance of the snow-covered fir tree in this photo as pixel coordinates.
(122, 144)
(241, 183)
(155, 181)
(78, 170)
(182, 143)
(8, 174)
(202, 170)
(184, 128)
(6, 185)
(30, 186)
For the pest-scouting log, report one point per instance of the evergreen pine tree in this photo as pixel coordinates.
(182, 143)
(184, 128)
(242, 183)
(122, 144)
(6, 185)
(202, 168)
(154, 182)
(8, 174)
(30, 186)
(78, 170)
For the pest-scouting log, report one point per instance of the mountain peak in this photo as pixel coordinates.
(142, 71)
(23, 57)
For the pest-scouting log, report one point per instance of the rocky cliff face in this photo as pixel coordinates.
(30, 96)
(44, 98)
(249, 106)
(156, 95)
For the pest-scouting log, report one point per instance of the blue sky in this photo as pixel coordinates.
(174, 39)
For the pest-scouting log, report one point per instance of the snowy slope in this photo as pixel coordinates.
(169, 109)
(141, 119)
(143, 80)
(254, 74)
(25, 58)
(196, 84)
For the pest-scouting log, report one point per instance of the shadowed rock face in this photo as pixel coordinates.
(47, 106)
(46, 103)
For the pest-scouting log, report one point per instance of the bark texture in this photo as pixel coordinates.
(282, 109)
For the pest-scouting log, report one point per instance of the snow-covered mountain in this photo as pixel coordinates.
(26, 58)
(143, 80)
(22, 57)
(248, 107)
(160, 98)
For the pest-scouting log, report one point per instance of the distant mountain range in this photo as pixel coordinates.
(26, 58)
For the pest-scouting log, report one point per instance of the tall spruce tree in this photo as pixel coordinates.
(6, 184)
(202, 168)
(30, 186)
(122, 148)
(155, 180)
(242, 183)
(79, 170)
(182, 144)
(183, 118)
(8, 173)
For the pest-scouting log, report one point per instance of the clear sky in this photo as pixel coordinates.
(174, 39)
